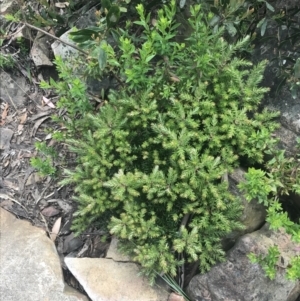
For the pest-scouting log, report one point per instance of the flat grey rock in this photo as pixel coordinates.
(113, 252)
(108, 280)
(29, 264)
(63, 50)
(5, 137)
(13, 90)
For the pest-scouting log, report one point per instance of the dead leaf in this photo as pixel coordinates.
(10, 183)
(20, 129)
(37, 125)
(40, 51)
(26, 155)
(23, 118)
(4, 114)
(64, 206)
(6, 162)
(50, 211)
(39, 115)
(175, 79)
(49, 136)
(48, 102)
(55, 229)
(52, 142)
(33, 178)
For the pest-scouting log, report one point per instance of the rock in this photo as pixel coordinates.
(108, 280)
(113, 252)
(40, 52)
(50, 211)
(253, 215)
(290, 118)
(175, 297)
(87, 19)
(114, 278)
(287, 140)
(5, 137)
(63, 50)
(13, 89)
(238, 279)
(72, 243)
(30, 266)
(8, 6)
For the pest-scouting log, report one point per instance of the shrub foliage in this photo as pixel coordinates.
(155, 157)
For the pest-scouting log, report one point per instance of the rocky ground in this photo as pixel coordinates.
(40, 257)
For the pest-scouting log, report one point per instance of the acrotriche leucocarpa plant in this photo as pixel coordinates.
(154, 158)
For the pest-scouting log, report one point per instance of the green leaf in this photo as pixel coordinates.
(297, 68)
(182, 3)
(149, 58)
(294, 91)
(231, 28)
(263, 26)
(83, 35)
(269, 6)
(102, 56)
(113, 15)
(10, 17)
(106, 4)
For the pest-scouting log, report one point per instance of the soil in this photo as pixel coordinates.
(23, 191)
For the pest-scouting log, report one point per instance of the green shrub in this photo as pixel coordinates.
(282, 179)
(156, 155)
(254, 17)
(44, 162)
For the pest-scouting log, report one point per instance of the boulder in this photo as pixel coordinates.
(287, 140)
(114, 278)
(30, 266)
(63, 50)
(5, 137)
(237, 279)
(59, 49)
(13, 89)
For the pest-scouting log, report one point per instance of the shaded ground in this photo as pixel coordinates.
(25, 119)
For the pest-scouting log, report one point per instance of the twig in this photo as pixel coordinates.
(54, 37)
(5, 196)
(52, 193)
(11, 36)
(44, 220)
(10, 99)
(43, 192)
